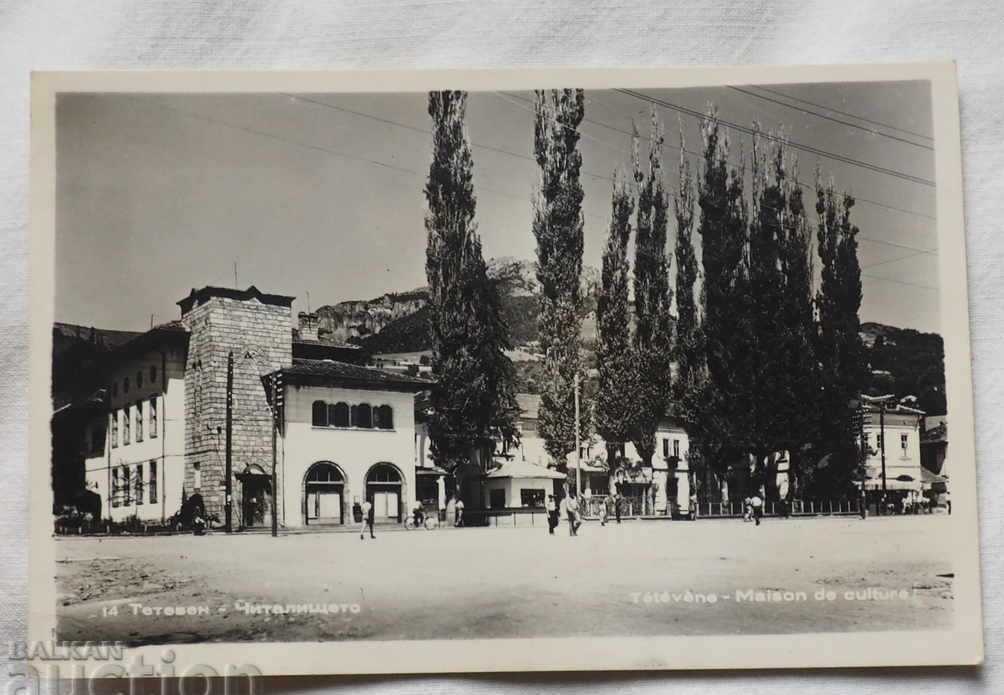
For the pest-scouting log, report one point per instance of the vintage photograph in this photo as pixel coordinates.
(473, 364)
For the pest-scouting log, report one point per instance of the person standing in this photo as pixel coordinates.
(459, 521)
(367, 510)
(757, 505)
(572, 509)
(552, 514)
(617, 506)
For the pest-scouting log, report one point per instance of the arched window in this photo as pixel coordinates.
(319, 414)
(362, 416)
(383, 417)
(324, 472)
(383, 473)
(338, 415)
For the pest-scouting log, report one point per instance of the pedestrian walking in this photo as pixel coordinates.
(603, 512)
(748, 509)
(693, 506)
(459, 520)
(367, 513)
(757, 505)
(617, 506)
(552, 514)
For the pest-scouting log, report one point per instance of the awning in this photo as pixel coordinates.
(435, 471)
(519, 469)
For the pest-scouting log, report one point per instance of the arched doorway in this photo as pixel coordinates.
(324, 494)
(384, 490)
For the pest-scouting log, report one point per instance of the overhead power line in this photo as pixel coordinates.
(888, 126)
(835, 156)
(869, 130)
(803, 184)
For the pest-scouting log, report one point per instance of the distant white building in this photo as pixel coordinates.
(662, 487)
(897, 431)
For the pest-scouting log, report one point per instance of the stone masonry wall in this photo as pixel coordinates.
(258, 335)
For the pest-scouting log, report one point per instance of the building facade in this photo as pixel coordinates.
(136, 441)
(151, 440)
(896, 431)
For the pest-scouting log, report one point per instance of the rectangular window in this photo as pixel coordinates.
(153, 482)
(531, 498)
(139, 420)
(665, 448)
(115, 428)
(197, 474)
(903, 439)
(137, 483)
(676, 448)
(878, 442)
(126, 487)
(125, 424)
(153, 417)
(116, 487)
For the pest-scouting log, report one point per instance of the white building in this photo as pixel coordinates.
(900, 428)
(660, 488)
(136, 443)
(348, 435)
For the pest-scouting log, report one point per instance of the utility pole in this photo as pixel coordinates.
(882, 447)
(578, 447)
(277, 417)
(229, 442)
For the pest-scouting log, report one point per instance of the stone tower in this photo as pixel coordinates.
(256, 329)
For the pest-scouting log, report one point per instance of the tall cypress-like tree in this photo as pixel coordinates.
(839, 349)
(803, 386)
(727, 324)
(653, 334)
(473, 400)
(691, 377)
(785, 387)
(557, 227)
(614, 355)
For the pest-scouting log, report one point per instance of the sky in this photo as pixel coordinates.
(320, 195)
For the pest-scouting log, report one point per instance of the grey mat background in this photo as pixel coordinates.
(443, 34)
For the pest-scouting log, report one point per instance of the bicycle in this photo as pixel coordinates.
(428, 522)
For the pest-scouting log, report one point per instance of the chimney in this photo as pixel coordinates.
(308, 326)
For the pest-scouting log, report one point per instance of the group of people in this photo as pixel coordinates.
(569, 508)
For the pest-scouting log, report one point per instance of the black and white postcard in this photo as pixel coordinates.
(374, 372)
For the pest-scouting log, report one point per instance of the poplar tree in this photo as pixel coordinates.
(558, 229)
(727, 326)
(839, 349)
(690, 385)
(785, 387)
(770, 324)
(473, 399)
(614, 356)
(653, 333)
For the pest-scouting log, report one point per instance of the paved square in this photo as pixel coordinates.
(638, 578)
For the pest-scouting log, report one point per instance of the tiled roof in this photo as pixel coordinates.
(252, 292)
(332, 373)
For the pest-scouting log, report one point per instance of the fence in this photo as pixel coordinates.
(717, 510)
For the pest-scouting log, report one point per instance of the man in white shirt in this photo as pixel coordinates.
(757, 504)
(367, 520)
